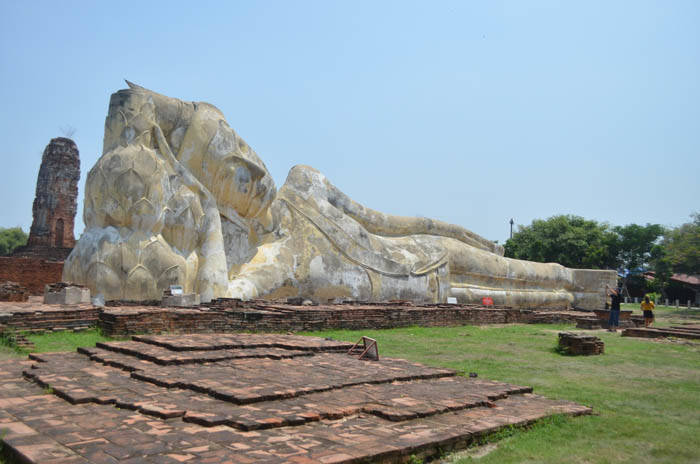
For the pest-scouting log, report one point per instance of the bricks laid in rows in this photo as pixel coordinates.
(269, 317)
(690, 332)
(127, 402)
(579, 344)
(260, 316)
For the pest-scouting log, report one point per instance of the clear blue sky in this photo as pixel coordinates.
(470, 112)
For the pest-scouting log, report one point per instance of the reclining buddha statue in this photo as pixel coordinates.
(179, 198)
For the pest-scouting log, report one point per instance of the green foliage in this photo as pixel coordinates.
(682, 247)
(568, 240)
(66, 340)
(580, 243)
(8, 339)
(635, 243)
(10, 239)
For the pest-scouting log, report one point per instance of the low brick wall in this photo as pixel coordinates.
(12, 291)
(49, 317)
(258, 316)
(627, 319)
(654, 332)
(283, 318)
(31, 273)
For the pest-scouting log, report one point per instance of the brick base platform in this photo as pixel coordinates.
(261, 316)
(247, 398)
(34, 316)
(269, 317)
(687, 331)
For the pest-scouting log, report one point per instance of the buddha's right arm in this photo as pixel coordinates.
(378, 223)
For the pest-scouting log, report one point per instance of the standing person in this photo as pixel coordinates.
(647, 307)
(615, 297)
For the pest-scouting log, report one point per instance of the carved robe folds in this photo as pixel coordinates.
(179, 198)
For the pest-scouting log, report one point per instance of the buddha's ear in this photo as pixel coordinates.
(133, 86)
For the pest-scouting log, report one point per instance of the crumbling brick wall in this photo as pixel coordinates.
(32, 273)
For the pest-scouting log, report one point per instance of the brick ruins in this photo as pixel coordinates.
(56, 196)
(31, 273)
(51, 237)
(292, 399)
(580, 344)
(12, 291)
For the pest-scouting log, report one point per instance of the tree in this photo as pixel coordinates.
(661, 264)
(571, 241)
(682, 246)
(635, 243)
(10, 239)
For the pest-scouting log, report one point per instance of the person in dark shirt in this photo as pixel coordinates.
(615, 299)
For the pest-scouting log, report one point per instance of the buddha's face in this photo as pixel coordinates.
(232, 171)
(206, 145)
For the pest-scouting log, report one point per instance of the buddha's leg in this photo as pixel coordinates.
(475, 274)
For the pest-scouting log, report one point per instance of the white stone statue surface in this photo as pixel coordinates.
(178, 198)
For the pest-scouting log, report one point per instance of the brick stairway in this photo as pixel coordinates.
(170, 399)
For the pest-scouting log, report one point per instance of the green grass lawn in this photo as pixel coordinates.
(56, 341)
(646, 393)
(666, 316)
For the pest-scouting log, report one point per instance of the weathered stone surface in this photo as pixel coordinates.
(185, 300)
(66, 294)
(55, 203)
(111, 405)
(178, 198)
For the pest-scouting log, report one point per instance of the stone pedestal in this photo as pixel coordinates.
(66, 294)
(184, 300)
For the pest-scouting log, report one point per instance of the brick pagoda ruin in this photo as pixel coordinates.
(51, 237)
(56, 203)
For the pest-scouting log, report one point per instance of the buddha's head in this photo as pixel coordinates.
(200, 139)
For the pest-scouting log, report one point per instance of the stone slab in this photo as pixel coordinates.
(181, 301)
(67, 296)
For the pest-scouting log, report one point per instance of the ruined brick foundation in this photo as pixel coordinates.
(31, 273)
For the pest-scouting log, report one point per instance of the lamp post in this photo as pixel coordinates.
(511, 227)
